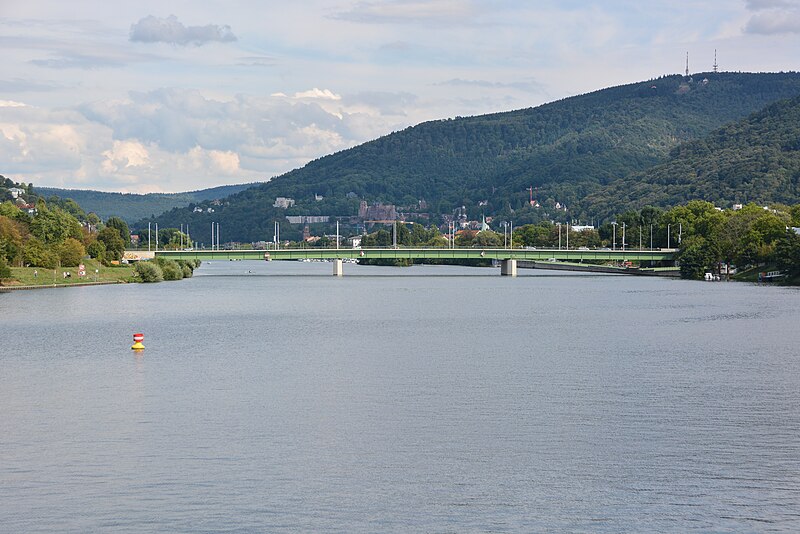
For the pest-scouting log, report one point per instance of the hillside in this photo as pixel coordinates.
(132, 207)
(566, 150)
(753, 160)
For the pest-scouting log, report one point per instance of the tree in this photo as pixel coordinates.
(71, 252)
(115, 246)
(11, 238)
(121, 227)
(36, 254)
(5, 272)
(787, 253)
(54, 225)
(696, 257)
(96, 249)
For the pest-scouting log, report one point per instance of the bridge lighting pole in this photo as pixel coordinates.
(148, 237)
(651, 236)
(623, 237)
(567, 236)
(337, 235)
(640, 238)
(394, 234)
(614, 245)
(156, 237)
(512, 235)
(212, 236)
(680, 231)
(559, 235)
(668, 228)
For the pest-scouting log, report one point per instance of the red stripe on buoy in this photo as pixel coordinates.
(138, 338)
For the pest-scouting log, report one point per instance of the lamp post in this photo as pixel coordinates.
(614, 242)
(558, 224)
(623, 237)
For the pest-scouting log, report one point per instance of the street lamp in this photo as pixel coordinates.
(614, 242)
(623, 237)
(559, 235)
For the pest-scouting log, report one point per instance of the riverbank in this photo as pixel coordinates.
(40, 278)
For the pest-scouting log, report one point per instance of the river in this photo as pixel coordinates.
(275, 397)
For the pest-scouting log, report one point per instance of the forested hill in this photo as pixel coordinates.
(132, 207)
(756, 159)
(566, 150)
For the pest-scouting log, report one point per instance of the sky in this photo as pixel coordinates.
(179, 95)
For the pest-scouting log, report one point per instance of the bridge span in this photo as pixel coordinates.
(507, 256)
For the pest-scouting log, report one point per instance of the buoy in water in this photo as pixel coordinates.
(137, 342)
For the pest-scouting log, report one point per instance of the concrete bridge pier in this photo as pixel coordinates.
(337, 267)
(508, 268)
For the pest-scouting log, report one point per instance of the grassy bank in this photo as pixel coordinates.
(27, 276)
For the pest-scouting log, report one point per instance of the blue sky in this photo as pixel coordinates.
(175, 95)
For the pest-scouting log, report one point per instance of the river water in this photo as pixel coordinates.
(275, 397)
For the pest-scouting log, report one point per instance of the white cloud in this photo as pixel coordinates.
(152, 29)
(773, 17)
(323, 94)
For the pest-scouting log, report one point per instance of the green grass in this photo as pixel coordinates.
(24, 276)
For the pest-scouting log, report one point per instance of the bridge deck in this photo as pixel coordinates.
(423, 253)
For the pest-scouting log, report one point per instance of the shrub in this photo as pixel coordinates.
(171, 270)
(5, 272)
(187, 271)
(149, 271)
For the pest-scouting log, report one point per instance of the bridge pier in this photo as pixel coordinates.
(338, 270)
(508, 268)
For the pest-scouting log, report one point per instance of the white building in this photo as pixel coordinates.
(283, 202)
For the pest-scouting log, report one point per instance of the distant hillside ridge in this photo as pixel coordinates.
(756, 159)
(563, 151)
(132, 207)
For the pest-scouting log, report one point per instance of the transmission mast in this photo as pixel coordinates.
(687, 64)
(716, 67)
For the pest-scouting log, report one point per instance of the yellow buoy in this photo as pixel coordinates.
(137, 342)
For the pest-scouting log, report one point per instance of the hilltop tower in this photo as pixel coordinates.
(715, 68)
(687, 64)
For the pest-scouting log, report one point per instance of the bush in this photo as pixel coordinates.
(5, 271)
(148, 271)
(171, 270)
(187, 271)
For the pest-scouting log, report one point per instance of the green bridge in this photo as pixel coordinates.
(508, 257)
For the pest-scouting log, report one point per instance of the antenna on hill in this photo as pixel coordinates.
(716, 67)
(687, 64)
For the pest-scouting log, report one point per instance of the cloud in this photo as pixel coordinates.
(756, 5)
(152, 29)
(313, 94)
(773, 17)
(177, 140)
